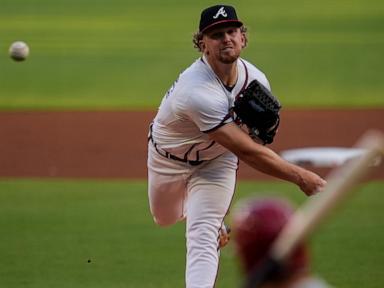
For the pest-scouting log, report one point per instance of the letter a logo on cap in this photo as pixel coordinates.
(220, 12)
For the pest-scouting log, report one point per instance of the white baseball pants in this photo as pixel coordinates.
(202, 195)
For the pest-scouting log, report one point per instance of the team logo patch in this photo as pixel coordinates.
(221, 12)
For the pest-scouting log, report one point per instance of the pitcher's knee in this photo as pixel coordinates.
(165, 220)
(162, 222)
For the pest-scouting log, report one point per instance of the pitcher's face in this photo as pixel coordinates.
(223, 44)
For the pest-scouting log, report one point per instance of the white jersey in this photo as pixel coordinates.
(198, 103)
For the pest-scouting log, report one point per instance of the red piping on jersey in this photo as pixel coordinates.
(229, 115)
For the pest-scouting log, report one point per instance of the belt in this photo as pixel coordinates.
(169, 155)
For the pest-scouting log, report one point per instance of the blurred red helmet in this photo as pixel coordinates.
(256, 223)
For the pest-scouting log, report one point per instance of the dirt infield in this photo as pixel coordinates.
(113, 144)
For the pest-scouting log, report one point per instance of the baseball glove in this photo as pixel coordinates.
(258, 109)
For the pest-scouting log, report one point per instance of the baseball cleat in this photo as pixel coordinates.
(224, 235)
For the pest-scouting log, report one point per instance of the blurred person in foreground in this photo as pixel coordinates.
(256, 223)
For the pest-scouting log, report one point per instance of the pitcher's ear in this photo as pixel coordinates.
(243, 40)
(201, 45)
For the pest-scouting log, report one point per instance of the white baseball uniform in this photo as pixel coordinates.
(189, 175)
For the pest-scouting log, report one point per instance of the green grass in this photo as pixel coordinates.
(50, 229)
(125, 54)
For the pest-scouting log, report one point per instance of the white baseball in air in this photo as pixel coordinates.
(19, 51)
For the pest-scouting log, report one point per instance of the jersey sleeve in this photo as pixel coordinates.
(207, 108)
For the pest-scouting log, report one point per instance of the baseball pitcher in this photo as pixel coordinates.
(219, 110)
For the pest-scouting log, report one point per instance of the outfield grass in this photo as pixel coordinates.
(50, 230)
(125, 54)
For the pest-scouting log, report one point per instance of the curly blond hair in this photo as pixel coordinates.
(198, 36)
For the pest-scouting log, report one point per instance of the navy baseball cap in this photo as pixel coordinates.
(216, 15)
